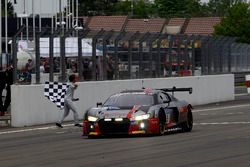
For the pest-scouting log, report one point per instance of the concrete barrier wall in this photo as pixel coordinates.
(30, 107)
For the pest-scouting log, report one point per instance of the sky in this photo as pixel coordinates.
(43, 7)
(208, 0)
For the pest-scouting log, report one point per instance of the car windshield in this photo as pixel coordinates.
(125, 100)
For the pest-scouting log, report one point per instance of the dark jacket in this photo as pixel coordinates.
(2, 78)
(9, 76)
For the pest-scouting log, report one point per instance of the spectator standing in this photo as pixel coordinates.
(110, 68)
(42, 69)
(69, 102)
(56, 64)
(9, 82)
(86, 69)
(29, 68)
(2, 87)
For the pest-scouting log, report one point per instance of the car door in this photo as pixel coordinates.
(164, 100)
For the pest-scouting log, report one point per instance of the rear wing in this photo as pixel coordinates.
(174, 89)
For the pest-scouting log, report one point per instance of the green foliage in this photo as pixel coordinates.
(178, 8)
(235, 13)
(96, 7)
(122, 8)
(10, 9)
(236, 23)
(195, 8)
(220, 7)
(141, 8)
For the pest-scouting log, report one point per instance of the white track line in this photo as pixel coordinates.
(33, 129)
(222, 123)
(201, 110)
(222, 108)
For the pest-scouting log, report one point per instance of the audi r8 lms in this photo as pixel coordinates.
(144, 111)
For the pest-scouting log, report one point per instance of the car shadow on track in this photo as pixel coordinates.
(119, 136)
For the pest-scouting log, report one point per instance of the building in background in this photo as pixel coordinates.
(44, 8)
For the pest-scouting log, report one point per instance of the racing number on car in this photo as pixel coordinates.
(167, 113)
(168, 117)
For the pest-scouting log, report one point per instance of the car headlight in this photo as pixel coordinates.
(142, 117)
(92, 119)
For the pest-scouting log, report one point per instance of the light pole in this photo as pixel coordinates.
(132, 8)
(60, 14)
(70, 14)
(66, 15)
(34, 21)
(73, 13)
(52, 17)
(77, 13)
(40, 19)
(1, 29)
(6, 27)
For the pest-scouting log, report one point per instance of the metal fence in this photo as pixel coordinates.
(134, 55)
(224, 55)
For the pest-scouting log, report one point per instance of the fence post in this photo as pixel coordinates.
(170, 40)
(14, 52)
(94, 42)
(62, 60)
(51, 55)
(117, 39)
(80, 58)
(37, 39)
(130, 52)
(62, 52)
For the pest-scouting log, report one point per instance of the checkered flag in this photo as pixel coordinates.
(55, 92)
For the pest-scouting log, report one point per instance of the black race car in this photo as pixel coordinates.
(144, 111)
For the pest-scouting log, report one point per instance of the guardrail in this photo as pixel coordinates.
(30, 107)
(239, 78)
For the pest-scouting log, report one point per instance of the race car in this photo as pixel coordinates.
(143, 111)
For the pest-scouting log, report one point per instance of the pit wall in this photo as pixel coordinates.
(30, 107)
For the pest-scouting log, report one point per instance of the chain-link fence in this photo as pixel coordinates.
(107, 55)
(224, 55)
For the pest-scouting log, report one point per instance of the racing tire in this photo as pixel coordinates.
(188, 125)
(162, 121)
(161, 129)
(93, 137)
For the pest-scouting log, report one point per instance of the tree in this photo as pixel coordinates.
(141, 8)
(219, 7)
(178, 8)
(96, 7)
(236, 23)
(122, 8)
(10, 8)
(195, 8)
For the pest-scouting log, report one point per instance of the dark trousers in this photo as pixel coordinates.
(1, 101)
(110, 75)
(7, 98)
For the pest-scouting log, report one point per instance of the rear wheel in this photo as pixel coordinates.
(161, 129)
(93, 137)
(188, 125)
(162, 122)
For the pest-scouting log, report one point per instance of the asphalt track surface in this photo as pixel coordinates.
(220, 137)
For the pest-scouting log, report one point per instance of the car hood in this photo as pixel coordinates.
(114, 112)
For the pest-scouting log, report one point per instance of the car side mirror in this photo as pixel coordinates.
(98, 104)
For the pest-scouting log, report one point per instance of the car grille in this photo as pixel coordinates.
(114, 127)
